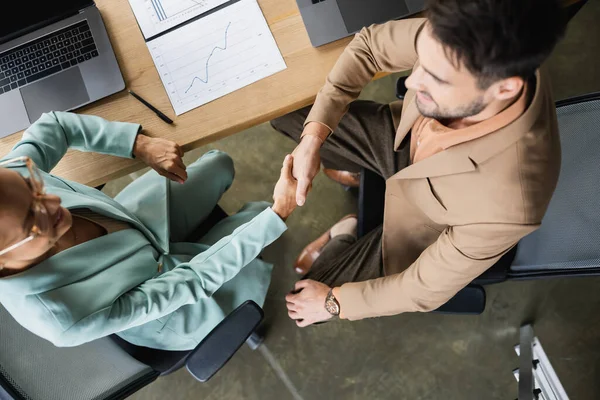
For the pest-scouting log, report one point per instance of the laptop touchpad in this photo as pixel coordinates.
(59, 92)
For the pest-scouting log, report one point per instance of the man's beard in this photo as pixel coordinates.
(469, 110)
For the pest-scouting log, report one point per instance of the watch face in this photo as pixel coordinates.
(332, 306)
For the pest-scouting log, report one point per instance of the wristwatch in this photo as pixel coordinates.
(331, 304)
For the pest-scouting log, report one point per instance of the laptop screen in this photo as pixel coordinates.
(360, 13)
(26, 16)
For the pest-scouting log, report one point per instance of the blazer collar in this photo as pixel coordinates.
(464, 157)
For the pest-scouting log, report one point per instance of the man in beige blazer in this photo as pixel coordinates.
(471, 156)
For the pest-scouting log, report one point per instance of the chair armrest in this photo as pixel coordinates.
(223, 341)
(498, 272)
(470, 300)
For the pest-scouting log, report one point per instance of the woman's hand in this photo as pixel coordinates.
(284, 195)
(163, 156)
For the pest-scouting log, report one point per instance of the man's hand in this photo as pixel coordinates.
(307, 160)
(306, 304)
(284, 195)
(163, 156)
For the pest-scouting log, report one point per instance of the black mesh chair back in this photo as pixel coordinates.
(568, 242)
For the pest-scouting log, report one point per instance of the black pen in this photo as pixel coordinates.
(150, 106)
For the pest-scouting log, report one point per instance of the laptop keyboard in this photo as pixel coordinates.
(46, 55)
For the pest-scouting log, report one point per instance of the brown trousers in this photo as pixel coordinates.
(364, 139)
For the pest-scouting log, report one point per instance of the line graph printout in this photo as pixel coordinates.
(156, 16)
(215, 55)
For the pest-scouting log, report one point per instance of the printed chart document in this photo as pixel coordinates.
(156, 16)
(215, 55)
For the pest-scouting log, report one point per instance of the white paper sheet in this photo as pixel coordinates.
(156, 16)
(216, 55)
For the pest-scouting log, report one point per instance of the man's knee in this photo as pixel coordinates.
(283, 126)
(279, 124)
(291, 124)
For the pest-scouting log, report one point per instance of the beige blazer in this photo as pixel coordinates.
(451, 216)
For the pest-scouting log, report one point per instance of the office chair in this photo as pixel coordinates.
(567, 244)
(110, 368)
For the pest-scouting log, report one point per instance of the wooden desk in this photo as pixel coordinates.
(262, 101)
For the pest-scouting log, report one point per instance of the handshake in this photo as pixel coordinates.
(297, 174)
(284, 194)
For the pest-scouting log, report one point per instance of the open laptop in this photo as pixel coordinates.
(54, 56)
(329, 20)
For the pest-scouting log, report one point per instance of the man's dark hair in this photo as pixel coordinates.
(497, 39)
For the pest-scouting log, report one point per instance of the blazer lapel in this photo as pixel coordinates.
(455, 160)
(410, 113)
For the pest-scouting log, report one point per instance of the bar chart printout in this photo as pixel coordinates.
(156, 16)
(215, 55)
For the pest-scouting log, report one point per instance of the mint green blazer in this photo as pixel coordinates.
(136, 282)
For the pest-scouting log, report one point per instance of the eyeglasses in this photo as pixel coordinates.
(41, 220)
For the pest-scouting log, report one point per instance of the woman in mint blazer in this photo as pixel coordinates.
(69, 281)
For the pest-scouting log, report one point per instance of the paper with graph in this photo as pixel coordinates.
(156, 16)
(216, 55)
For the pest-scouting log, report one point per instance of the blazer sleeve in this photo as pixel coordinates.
(187, 283)
(389, 47)
(47, 140)
(460, 254)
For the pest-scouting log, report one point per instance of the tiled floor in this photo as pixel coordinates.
(412, 356)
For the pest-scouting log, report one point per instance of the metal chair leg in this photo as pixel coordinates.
(257, 337)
